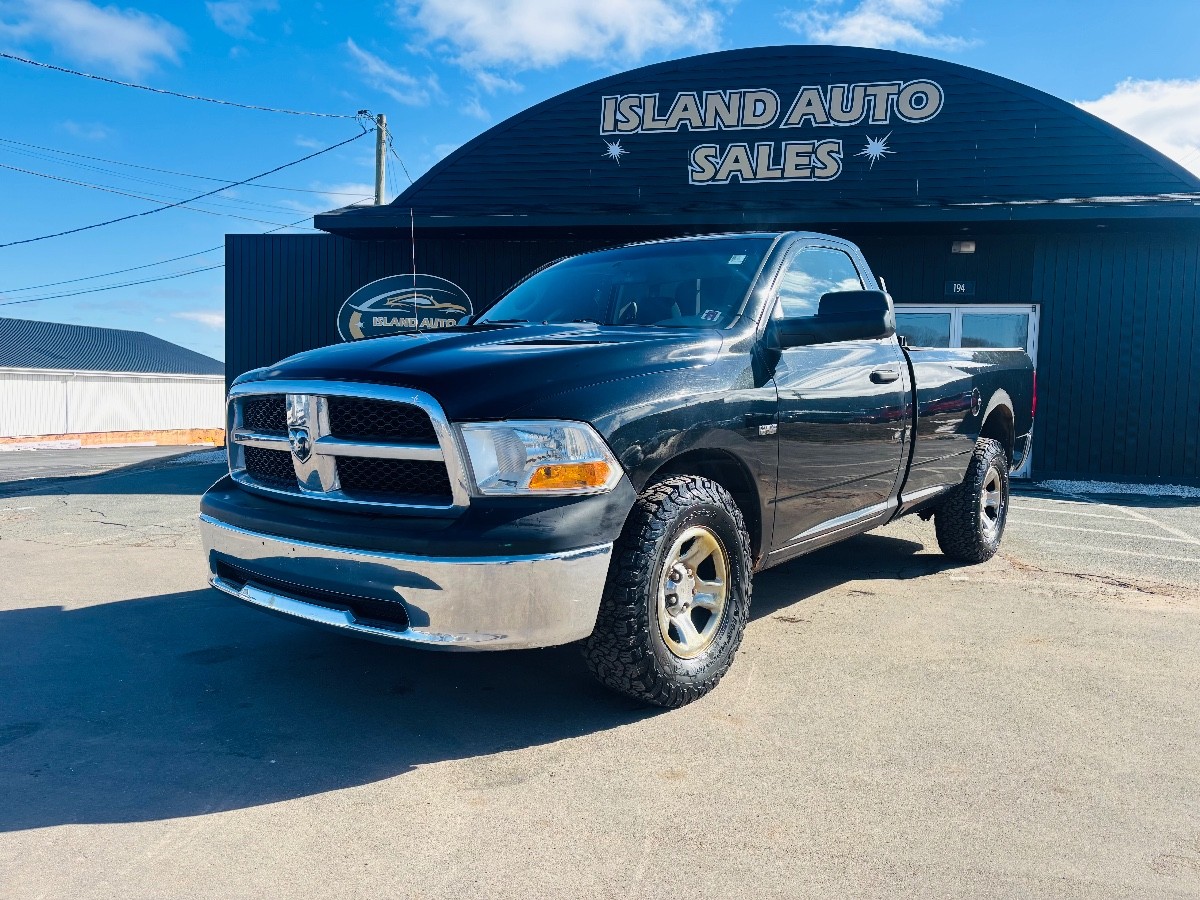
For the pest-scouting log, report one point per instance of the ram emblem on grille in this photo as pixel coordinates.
(300, 443)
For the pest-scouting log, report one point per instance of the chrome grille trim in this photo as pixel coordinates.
(317, 480)
(262, 441)
(331, 446)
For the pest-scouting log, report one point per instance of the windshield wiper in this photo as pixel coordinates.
(503, 322)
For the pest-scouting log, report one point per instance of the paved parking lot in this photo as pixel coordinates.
(895, 726)
(1155, 539)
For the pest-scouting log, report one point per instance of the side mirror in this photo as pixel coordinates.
(841, 316)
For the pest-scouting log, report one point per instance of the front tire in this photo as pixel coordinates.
(970, 521)
(678, 594)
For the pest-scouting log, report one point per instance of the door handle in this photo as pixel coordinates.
(885, 376)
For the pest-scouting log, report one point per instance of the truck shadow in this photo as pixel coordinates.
(865, 557)
(187, 703)
(155, 477)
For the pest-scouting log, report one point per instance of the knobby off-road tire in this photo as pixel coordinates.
(660, 637)
(970, 521)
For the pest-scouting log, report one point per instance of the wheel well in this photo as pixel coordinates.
(729, 472)
(999, 427)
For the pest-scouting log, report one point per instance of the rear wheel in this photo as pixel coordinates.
(970, 521)
(678, 594)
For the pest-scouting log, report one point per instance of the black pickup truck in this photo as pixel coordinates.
(607, 455)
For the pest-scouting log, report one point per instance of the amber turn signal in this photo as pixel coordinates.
(569, 476)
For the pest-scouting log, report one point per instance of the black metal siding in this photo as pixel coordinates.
(1118, 382)
(917, 267)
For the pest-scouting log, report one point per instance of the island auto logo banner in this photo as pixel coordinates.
(819, 156)
(402, 303)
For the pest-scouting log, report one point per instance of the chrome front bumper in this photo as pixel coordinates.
(479, 603)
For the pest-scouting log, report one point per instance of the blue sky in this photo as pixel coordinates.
(443, 71)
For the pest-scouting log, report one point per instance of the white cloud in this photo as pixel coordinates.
(876, 23)
(89, 131)
(533, 34)
(493, 83)
(126, 41)
(1164, 114)
(234, 17)
(210, 319)
(396, 83)
(333, 196)
(476, 110)
(346, 193)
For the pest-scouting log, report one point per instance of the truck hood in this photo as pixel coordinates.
(488, 371)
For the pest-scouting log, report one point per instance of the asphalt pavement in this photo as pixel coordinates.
(894, 726)
(22, 465)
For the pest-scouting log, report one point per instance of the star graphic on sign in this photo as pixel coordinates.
(876, 149)
(614, 151)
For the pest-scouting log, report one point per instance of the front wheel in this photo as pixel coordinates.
(678, 594)
(970, 521)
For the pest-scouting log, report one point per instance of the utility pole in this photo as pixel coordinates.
(380, 157)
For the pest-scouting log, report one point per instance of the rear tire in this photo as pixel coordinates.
(970, 521)
(678, 594)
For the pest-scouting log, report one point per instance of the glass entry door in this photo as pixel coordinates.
(977, 325)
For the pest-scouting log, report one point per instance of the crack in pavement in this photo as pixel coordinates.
(1155, 589)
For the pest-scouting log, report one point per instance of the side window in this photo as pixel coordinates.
(924, 329)
(810, 273)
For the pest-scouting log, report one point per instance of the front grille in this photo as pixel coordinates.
(271, 467)
(406, 477)
(265, 414)
(358, 419)
(388, 614)
(367, 444)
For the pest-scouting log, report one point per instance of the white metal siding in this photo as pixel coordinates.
(32, 404)
(39, 404)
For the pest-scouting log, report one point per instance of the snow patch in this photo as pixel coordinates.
(40, 445)
(1117, 487)
(199, 458)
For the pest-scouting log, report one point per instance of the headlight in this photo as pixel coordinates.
(539, 457)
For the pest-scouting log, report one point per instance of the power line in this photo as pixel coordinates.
(111, 190)
(116, 174)
(113, 286)
(154, 90)
(128, 176)
(132, 269)
(392, 148)
(117, 162)
(161, 262)
(179, 203)
(234, 202)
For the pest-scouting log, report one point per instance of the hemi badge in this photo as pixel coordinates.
(768, 429)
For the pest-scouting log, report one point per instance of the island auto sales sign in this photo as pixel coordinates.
(399, 304)
(816, 113)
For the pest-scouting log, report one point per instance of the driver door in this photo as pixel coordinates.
(842, 411)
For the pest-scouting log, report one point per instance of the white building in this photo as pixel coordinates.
(76, 385)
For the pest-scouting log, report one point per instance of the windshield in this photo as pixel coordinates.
(676, 284)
